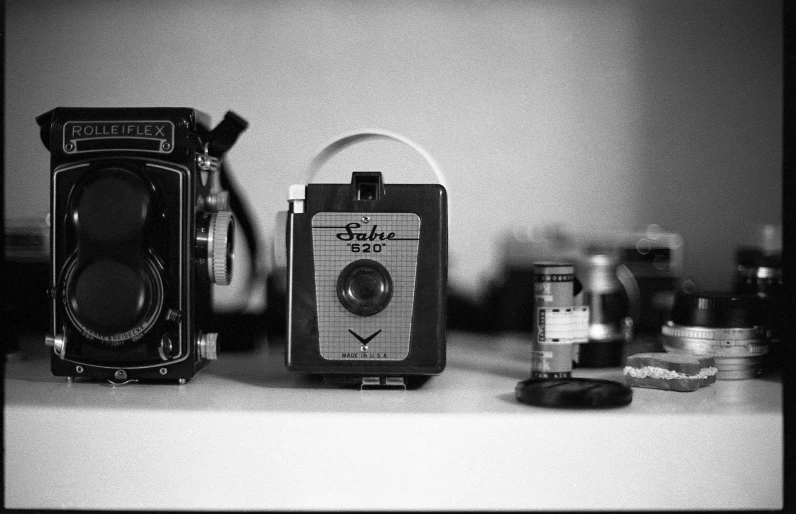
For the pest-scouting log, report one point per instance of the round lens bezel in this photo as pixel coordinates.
(138, 327)
(359, 270)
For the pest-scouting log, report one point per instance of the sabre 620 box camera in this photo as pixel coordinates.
(140, 230)
(367, 276)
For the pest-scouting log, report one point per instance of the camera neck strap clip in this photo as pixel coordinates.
(207, 162)
(210, 168)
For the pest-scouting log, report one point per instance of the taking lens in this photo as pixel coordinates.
(113, 300)
(364, 287)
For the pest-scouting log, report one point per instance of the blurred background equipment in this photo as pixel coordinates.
(759, 272)
(569, 111)
(25, 279)
(614, 301)
(647, 270)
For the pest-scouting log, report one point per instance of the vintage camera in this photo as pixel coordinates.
(140, 230)
(367, 280)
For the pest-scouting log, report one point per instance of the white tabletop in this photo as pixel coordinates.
(247, 434)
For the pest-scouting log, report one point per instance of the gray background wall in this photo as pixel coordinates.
(601, 115)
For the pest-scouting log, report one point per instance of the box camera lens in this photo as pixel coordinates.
(364, 287)
(138, 238)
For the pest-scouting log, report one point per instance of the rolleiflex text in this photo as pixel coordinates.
(121, 128)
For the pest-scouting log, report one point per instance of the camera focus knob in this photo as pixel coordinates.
(215, 244)
(208, 346)
(223, 247)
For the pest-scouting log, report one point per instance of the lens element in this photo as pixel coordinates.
(112, 300)
(364, 287)
(112, 206)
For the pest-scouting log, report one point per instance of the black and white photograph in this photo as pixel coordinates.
(420, 255)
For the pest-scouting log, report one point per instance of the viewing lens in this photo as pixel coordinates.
(113, 206)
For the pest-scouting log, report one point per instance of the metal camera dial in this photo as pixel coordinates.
(215, 243)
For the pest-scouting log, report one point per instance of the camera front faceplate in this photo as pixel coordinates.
(367, 279)
(128, 219)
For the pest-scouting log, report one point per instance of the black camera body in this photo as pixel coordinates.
(140, 230)
(367, 279)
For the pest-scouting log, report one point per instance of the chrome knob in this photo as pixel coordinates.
(217, 201)
(57, 342)
(208, 346)
(215, 242)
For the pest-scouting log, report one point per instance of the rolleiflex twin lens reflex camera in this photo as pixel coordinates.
(140, 230)
(367, 277)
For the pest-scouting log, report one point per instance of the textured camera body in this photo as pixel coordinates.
(136, 229)
(367, 279)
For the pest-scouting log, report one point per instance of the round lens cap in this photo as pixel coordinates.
(577, 393)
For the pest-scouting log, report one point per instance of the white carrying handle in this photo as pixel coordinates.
(349, 139)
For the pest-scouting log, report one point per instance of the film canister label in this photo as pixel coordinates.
(562, 325)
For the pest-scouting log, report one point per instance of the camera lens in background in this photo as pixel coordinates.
(608, 310)
(716, 310)
(723, 325)
(761, 275)
(364, 287)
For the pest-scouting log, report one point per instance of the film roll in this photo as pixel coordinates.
(557, 322)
